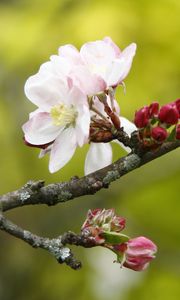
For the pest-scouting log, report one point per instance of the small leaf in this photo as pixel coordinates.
(115, 238)
(172, 135)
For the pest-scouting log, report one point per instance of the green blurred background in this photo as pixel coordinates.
(30, 31)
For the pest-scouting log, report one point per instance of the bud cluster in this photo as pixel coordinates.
(103, 228)
(158, 124)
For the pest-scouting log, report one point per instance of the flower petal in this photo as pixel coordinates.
(63, 149)
(45, 90)
(96, 55)
(109, 41)
(40, 130)
(83, 125)
(119, 68)
(128, 126)
(89, 83)
(71, 53)
(98, 157)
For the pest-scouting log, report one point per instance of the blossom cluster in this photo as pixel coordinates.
(158, 124)
(103, 228)
(74, 94)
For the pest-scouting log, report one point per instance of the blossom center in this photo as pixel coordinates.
(63, 115)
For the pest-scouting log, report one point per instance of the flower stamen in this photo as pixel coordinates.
(63, 115)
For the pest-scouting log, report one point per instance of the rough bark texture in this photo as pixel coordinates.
(34, 192)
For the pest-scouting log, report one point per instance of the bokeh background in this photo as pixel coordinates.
(30, 31)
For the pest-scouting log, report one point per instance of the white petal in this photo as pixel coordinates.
(61, 66)
(45, 90)
(63, 149)
(40, 130)
(119, 68)
(127, 149)
(96, 56)
(128, 126)
(83, 125)
(98, 157)
(43, 152)
(71, 53)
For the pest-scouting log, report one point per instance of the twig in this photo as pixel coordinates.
(36, 193)
(54, 246)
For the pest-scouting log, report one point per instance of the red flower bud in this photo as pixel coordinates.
(153, 109)
(169, 114)
(159, 134)
(178, 132)
(142, 117)
(139, 252)
(177, 103)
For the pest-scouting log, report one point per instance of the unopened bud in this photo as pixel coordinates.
(153, 109)
(178, 132)
(142, 117)
(177, 103)
(136, 253)
(159, 134)
(169, 114)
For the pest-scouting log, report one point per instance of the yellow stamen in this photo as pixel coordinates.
(63, 115)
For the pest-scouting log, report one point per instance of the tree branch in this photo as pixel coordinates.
(55, 247)
(36, 193)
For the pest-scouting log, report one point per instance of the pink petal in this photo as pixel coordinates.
(40, 130)
(62, 149)
(98, 157)
(89, 83)
(109, 41)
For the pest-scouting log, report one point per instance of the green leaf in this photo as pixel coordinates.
(115, 238)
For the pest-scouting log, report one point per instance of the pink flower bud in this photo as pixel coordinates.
(153, 109)
(169, 114)
(178, 132)
(138, 253)
(142, 117)
(159, 134)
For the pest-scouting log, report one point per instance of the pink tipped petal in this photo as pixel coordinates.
(109, 41)
(40, 130)
(98, 157)
(63, 149)
(35, 112)
(89, 83)
(45, 90)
